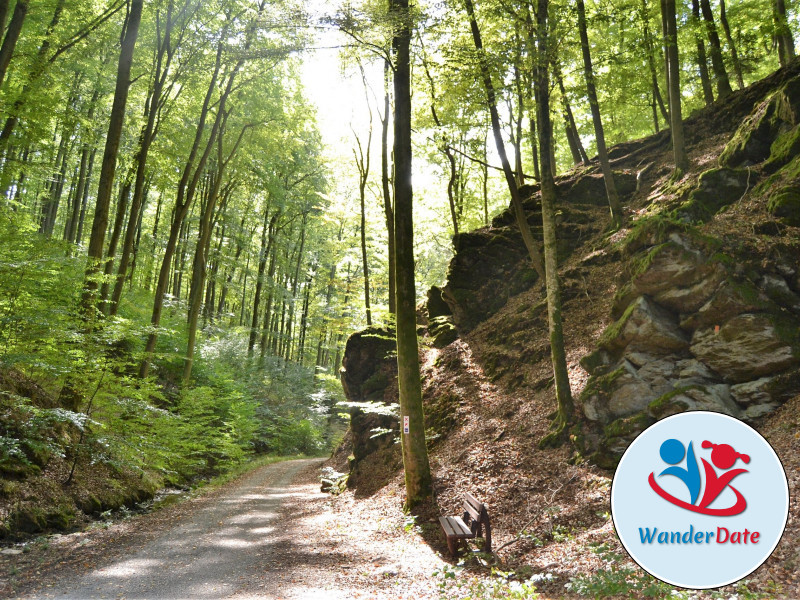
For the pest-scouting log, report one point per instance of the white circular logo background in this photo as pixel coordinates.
(699, 500)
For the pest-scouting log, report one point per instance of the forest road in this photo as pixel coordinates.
(214, 552)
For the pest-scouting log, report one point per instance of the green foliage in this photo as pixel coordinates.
(619, 579)
(115, 417)
(455, 582)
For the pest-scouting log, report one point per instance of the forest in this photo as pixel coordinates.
(194, 220)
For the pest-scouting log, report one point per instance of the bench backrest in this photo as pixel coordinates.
(475, 509)
(476, 517)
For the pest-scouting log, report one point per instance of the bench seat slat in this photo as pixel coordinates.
(455, 527)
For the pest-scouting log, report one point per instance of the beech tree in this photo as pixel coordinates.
(415, 453)
(548, 195)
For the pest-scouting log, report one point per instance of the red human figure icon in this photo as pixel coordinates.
(724, 457)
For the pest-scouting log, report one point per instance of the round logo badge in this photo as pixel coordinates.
(699, 500)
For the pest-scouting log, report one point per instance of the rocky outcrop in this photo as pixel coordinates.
(491, 264)
(482, 259)
(436, 305)
(696, 328)
(752, 143)
(369, 379)
(699, 334)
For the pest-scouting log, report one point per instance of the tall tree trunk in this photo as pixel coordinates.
(537, 171)
(12, 35)
(267, 235)
(265, 329)
(573, 137)
(301, 344)
(518, 118)
(516, 200)
(651, 62)
(388, 203)
(187, 187)
(602, 153)
(37, 70)
(208, 221)
(50, 204)
(444, 148)
(164, 54)
(362, 164)
(783, 33)
(295, 284)
(715, 50)
(415, 453)
(702, 61)
(85, 197)
(109, 165)
(557, 352)
(116, 233)
(737, 64)
(485, 179)
(674, 85)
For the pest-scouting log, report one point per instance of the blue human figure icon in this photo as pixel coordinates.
(672, 453)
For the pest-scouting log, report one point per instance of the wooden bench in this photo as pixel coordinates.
(473, 524)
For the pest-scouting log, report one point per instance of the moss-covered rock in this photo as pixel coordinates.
(748, 346)
(27, 518)
(733, 297)
(752, 142)
(671, 403)
(436, 305)
(644, 327)
(616, 438)
(716, 189)
(783, 150)
(443, 331)
(678, 275)
(785, 204)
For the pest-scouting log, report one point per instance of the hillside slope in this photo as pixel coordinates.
(694, 304)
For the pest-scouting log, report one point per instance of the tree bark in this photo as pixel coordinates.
(12, 35)
(87, 141)
(109, 165)
(388, 203)
(737, 64)
(37, 70)
(362, 164)
(674, 84)
(715, 50)
(600, 138)
(548, 193)
(783, 33)
(651, 63)
(267, 236)
(164, 54)
(185, 197)
(573, 137)
(116, 233)
(702, 60)
(415, 454)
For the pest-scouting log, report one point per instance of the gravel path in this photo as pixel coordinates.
(216, 552)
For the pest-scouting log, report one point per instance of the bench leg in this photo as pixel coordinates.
(451, 545)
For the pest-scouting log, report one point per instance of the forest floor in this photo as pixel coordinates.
(271, 534)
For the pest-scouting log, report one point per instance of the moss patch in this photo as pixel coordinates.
(716, 189)
(627, 426)
(784, 149)
(785, 204)
(601, 385)
(670, 403)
